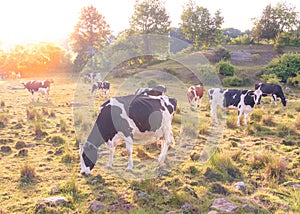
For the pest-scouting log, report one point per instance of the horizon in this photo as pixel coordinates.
(54, 21)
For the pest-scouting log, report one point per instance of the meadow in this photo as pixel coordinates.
(39, 153)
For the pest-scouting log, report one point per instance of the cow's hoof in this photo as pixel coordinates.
(108, 167)
(128, 170)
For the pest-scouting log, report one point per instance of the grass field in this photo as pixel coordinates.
(39, 154)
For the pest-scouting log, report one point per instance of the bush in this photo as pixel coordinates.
(285, 67)
(225, 68)
(232, 81)
(28, 174)
(221, 54)
(294, 81)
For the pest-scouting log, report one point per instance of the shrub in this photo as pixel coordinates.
(63, 125)
(284, 67)
(294, 81)
(260, 160)
(232, 81)
(208, 75)
(28, 174)
(221, 54)
(270, 78)
(57, 140)
(225, 68)
(257, 115)
(276, 169)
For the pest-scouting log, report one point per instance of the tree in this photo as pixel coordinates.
(275, 20)
(200, 27)
(149, 17)
(90, 35)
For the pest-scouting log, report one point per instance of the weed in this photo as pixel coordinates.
(70, 187)
(57, 140)
(33, 114)
(45, 111)
(297, 123)
(203, 129)
(38, 129)
(223, 164)
(28, 174)
(275, 170)
(3, 120)
(260, 160)
(268, 120)
(231, 121)
(68, 158)
(257, 115)
(63, 126)
(284, 130)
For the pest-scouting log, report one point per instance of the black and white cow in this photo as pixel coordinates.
(126, 118)
(152, 91)
(103, 87)
(38, 86)
(242, 100)
(91, 77)
(272, 89)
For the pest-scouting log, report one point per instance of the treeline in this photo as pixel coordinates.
(278, 25)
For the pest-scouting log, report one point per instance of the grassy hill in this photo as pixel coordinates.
(39, 149)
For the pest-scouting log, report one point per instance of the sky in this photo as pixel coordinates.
(33, 21)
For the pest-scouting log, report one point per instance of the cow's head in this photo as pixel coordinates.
(283, 101)
(257, 94)
(88, 157)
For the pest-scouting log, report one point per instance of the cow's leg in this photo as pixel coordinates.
(239, 117)
(214, 113)
(246, 114)
(274, 99)
(112, 148)
(165, 144)
(196, 103)
(129, 142)
(32, 95)
(200, 101)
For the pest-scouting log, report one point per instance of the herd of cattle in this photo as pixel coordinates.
(149, 112)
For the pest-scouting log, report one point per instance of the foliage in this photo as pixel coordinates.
(232, 81)
(90, 35)
(35, 59)
(200, 27)
(294, 81)
(225, 68)
(221, 53)
(275, 20)
(285, 67)
(28, 174)
(150, 17)
(270, 78)
(244, 39)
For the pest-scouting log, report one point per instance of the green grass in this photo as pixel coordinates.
(264, 154)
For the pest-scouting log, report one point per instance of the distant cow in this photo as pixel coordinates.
(242, 100)
(91, 77)
(274, 90)
(38, 86)
(153, 91)
(195, 94)
(125, 118)
(103, 87)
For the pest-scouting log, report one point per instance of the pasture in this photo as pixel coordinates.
(39, 154)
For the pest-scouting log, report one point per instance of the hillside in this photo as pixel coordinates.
(211, 168)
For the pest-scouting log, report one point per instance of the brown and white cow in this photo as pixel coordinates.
(38, 86)
(125, 118)
(195, 94)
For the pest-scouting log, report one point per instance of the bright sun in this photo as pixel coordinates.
(33, 21)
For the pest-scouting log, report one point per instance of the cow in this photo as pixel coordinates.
(128, 118)
(103, 87)
(274, 90)
(91, 77)
(153, 91)
(195, 94)
(38, 86)
(242, 100)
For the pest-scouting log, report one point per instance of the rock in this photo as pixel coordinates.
(218, 189)
(141, 195)
(171, 212)
(23, 153)
(54, 201)
(213, 212)
(223, 205)
(97, 206)
(240, 186)
(20, 145)
(248, 208)
(6, 149)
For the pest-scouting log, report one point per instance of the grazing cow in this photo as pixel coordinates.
(195, 94)
(126, 118)
(274, 90)
(152, 91)
(243, 100)
(91, 77)
(103, 87)
(38, 86)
